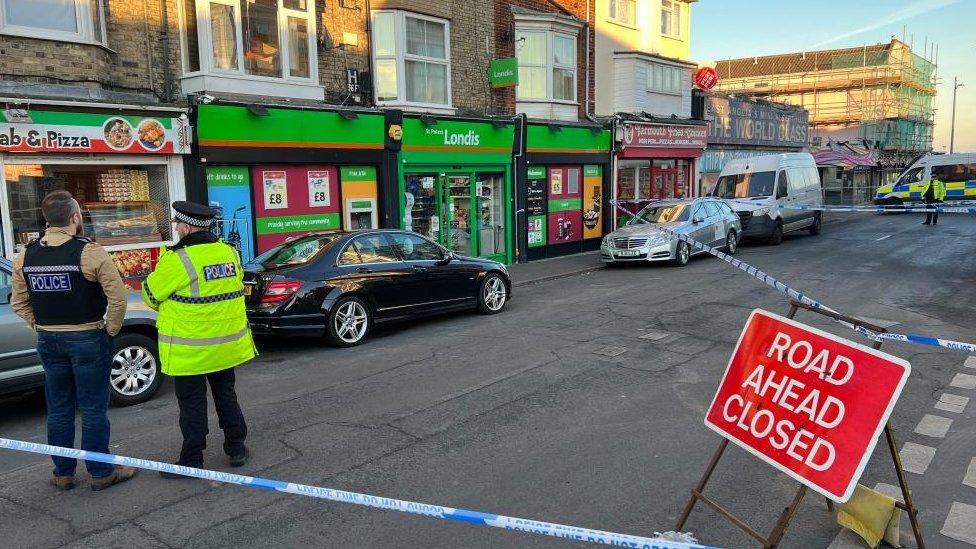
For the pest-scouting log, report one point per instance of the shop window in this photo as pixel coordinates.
(665, 78)
(671, 18)
(624, 12)
(412, 59)
(62, 20)
(547, 65)
(252, 38)
(122, 205)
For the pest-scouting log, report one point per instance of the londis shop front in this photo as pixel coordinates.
(455, 182)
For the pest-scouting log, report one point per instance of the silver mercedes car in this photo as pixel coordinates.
(705, 220)
(135, 376)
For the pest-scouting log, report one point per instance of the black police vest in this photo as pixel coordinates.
(59, 292)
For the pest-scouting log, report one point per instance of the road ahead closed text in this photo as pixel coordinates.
(807, 402)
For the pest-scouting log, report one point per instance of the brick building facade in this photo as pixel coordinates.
(138, 59)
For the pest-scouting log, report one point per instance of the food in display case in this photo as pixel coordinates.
(123, 223)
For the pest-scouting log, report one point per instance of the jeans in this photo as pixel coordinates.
(191, 393)
(77, 366)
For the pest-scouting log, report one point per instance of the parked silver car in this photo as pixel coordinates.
(705, 220)
(135, 373)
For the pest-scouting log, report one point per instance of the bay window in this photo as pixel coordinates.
(411, 56)
(665, 78)
(63, 20)
(546, 64)
(253, 39)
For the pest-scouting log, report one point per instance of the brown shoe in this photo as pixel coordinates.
(63, 483)
(119, 475)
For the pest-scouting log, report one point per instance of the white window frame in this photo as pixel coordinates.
(86, 30)
(174, 176)
(205, 43)
(671, 78)
(551, 66)
(615, 17)
(674, 8)
(401, 56)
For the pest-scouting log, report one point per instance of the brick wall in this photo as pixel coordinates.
(504, 98)
(132, 64)
(335, 56)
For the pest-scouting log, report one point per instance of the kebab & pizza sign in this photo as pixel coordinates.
(807, 402)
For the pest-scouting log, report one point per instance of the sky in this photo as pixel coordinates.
(726, 29)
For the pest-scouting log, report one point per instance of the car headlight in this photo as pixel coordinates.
(607, 241)
(760, 212)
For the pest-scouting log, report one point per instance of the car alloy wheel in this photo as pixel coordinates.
(682, 254)
(731, 244)
(351, 322)
(133, 371)
(495, 294)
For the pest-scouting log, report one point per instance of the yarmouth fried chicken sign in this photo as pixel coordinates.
(807, 402)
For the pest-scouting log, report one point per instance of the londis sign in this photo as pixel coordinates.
(456, 136)
(807, 402)
(66, 132)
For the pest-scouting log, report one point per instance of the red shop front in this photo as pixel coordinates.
(655, 161)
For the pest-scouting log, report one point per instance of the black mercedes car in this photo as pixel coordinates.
(339, 284)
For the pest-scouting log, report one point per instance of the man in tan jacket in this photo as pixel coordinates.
(69, 290)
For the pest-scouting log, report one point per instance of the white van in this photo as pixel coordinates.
(761, 190)
(957, 171)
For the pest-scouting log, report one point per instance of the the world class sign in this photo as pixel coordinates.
(807, 402)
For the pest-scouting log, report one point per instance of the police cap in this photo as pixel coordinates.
(195, 215)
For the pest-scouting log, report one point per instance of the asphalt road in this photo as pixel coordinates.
(524, 414)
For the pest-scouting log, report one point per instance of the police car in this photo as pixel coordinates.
(135, 375)
(957, 171)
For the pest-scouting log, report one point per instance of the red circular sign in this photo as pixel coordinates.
(706, 78)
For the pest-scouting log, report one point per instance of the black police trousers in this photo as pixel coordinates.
(191, 393)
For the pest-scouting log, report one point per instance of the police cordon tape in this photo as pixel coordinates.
(572, 533)
(967, 207)
(801, 297)
(871, 209)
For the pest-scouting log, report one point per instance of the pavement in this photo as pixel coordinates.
(582, 403)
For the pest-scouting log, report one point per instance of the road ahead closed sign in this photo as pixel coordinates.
(807, 402)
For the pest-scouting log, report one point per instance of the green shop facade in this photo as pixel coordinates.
(505, 189)
(455, 184)
(276, 172)
(562, 188)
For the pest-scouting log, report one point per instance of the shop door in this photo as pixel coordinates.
(456, 218)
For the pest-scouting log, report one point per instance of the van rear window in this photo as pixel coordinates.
(745, 185)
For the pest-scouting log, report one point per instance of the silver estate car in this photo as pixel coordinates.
(135, 375)
(705, 220)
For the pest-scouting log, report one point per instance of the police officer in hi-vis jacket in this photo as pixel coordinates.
(68, 289)
(203, 331)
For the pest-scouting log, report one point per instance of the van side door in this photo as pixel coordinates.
(784, 200)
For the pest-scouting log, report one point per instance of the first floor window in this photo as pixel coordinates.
(665, 78)
(412, 59)
(66, 20)
(547, 65)
(266, 38)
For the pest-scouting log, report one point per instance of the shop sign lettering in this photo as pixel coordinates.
(665, 135)
(42, 140)
(805, 401)
(469, 138)
(737, 121)
(102, 134)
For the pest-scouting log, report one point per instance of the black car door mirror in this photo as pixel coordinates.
(446, 258)
(698, 219)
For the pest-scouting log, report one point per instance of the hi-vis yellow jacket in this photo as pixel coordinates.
(939, 189)
(197, 289)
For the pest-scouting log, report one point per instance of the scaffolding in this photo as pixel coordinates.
(882, 94)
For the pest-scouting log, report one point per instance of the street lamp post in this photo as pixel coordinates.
(952, 126)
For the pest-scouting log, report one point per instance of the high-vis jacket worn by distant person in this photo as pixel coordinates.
(938, 190)
(197, 289)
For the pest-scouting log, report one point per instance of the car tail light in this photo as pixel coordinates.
(280, 290)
